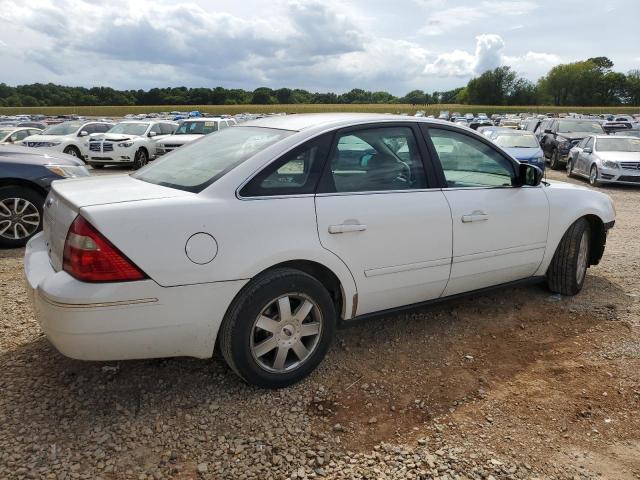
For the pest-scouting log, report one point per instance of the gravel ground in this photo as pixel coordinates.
(508, 385)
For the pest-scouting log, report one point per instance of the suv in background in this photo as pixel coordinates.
(559, 135)
(131, 143)
(67, 137)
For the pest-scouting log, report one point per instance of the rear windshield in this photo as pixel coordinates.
(196, 128)
(197, 165)
(517, 141)
(618, 145)
(568, 126)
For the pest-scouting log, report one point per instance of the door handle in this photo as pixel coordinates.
(476, 216)
(347, 227)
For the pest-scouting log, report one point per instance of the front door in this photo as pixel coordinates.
(377, 213)
(499, 231)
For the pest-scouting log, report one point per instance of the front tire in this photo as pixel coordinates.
(20, 215)
(554, 163)
(140, 159)
(568, 268)
(73, 151)
(569, 167)
(278, 329)
(593, 176)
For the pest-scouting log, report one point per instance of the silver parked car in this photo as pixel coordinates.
(606, 159)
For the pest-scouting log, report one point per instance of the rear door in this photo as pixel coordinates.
(378, 211)
(499, 230)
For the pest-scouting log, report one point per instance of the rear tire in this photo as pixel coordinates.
(568, 268)
(263, 340)
(20, 209)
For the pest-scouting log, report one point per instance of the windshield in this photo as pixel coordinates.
(618, 144)
(66, 128)
(130, 128)
(197, 165)
(196, 128)
(517, 141)
(585, 126)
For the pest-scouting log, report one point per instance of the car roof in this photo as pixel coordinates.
(298, 122)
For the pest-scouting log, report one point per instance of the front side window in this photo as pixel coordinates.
(296, 173)
(377, 159)
(156, 129)
(589, 143)
(167, 128)
(468, 162)
(196, 165)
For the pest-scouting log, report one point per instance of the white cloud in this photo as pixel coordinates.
(487, 56)
(452, 18)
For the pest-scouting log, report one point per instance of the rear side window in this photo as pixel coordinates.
(468, 162)
(376, 159)
(296, 173)
(197, 165)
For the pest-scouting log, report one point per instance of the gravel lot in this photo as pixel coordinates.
(513, 384)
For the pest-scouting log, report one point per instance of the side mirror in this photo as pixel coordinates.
(529, 175)
(83, 133)
(587, 150)
(152, 134)
(547, 130)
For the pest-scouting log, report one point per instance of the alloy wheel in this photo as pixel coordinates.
(286, 333)
(583, 257)
(19, 218)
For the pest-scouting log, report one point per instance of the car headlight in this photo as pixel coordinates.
(69, 171)
(53, 144)
(610, 164)
(125, 144)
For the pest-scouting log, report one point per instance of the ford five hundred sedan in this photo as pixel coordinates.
(260, 239)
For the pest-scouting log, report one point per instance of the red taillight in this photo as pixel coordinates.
(90, 257)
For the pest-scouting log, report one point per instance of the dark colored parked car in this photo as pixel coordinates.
(559, 135)
(25, 178)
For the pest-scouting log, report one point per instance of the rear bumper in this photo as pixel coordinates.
(122, 321)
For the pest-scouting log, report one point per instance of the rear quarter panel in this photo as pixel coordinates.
(251, 236)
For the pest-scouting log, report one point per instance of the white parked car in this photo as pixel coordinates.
(129, 143)
(265, 236)
(606, 159)
(190, 130)
(68, 137)
(16, 134)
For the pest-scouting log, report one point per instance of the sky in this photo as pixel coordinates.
(327, 45)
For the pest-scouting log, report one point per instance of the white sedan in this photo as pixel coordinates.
(263, 237)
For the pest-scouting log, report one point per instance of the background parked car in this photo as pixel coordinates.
(190, 130)
(16, 135)
(523, 146)
(562, 134)
(67, 137)
(606, 159)
(25, 180)
(131, 143)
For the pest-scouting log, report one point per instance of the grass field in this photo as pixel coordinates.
(118, 111)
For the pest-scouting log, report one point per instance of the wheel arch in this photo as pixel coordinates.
(20, 182)
(597, 237)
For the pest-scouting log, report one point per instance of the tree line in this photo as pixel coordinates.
(584, 83)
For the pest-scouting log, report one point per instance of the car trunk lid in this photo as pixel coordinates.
(68, 197)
